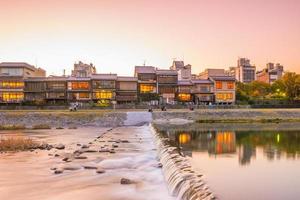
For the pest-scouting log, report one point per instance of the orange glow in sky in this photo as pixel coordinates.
(116, 35)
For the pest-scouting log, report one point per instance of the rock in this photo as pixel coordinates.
(90, 151)
(100, 171)
(56, 155)
(125, 181)
(80, 157)
(72, 167)
(67, 159)
(124, 141)
(89, 167)
(78, 144)
(104, 150)
(84, 146)
(112, 151)
(58, 171)
(159, 165)
(53, 168)
(78, 152)
(59, 146)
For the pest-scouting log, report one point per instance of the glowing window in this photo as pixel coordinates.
(146, 88)
(84, 95)
(184, 97)
(104, 95)
(230, 85)
(11, 84)
(11, 96)
(219, 85)
(224, 96)
(80, 85)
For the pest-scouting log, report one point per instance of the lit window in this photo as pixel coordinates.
(224, 96)
(84, 95)
(80, 85)
(184, 97)
(146, 88)
(11, 96)
(230, 85)
(104, 95)
(11, 84)
(219, 85)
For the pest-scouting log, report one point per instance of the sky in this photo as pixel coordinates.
(116, 35)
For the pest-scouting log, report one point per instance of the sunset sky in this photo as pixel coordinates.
(116, 35)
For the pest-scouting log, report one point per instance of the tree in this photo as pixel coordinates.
(291, 84)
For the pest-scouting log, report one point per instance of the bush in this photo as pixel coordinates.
(12, 127)
(16, 144)
(41, 126)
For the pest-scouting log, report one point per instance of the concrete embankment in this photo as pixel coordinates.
(229, 115)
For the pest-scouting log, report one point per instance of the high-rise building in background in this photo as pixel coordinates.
(211, 72)
(270, 74)
(184, 71)
(244, 72)
(83, 70)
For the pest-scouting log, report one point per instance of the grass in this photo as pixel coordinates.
(16, 144)
(12, 127)
(266, 120)
(41, 126)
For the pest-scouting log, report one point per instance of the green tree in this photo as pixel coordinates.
(291, 84)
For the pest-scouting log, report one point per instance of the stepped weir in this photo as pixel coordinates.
(183, 182)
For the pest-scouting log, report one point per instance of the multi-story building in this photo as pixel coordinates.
(35, 89)
(56, 89)
(83, 70)
(211, 72)
(166, 84)
(203, 91)
(184, 91)
(126, 89)
(104, 88)
(147, 86)
(270, 74)
(12, 75)
(184, 71)
(79, 89)
(224, 89)
(244, 72)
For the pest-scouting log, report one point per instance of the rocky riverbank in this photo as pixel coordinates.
(31, 119)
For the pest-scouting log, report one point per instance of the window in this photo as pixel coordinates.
(11, 84)
(230, 85)
(56, 86)
(146, 88)
(11, 96)
(84, 95)
(104, 95)
(79, 85)
(184, 97)
(219, 85)
(103, 84)
(224, 96)
(12, 71)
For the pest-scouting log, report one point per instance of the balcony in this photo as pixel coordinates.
(126, 98)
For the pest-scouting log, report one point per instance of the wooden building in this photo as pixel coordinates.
(126, 89)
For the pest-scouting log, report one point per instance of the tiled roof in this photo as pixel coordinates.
(17, 64)
(126, 78)
(223, 78)
(72, 78)
(166, 72)
(104, 76)
(184, 82)
(145, 69)
(201, 81)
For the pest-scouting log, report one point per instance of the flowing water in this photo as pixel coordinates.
(251, 163)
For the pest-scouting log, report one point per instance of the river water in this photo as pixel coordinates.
(244, 163)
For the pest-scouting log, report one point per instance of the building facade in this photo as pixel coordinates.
(167, 85)
(184, 71)
(126, 89)
(270, 74)
(83, 70)
(244, 72)
(224, 89)
(12, 76)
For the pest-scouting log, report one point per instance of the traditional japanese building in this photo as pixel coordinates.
(104, 88)
(224, 89)
(79, 89)
(203, 91)
(12, 76)
(147, 85)
(126, 89)
(184, 91)
(166, 84)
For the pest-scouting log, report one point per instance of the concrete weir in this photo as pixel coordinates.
(183, 182)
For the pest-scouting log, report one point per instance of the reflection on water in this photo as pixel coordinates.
(237, 163)
(275, 145)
